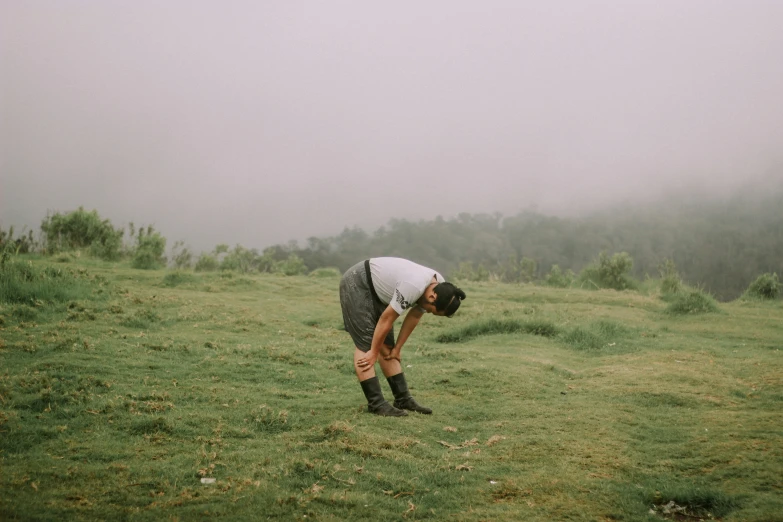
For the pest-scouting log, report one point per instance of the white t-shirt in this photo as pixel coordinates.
(400, 282)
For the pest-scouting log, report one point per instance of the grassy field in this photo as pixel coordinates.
(120, 395)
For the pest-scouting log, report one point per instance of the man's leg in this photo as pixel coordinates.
(371, 387)
(392, 369)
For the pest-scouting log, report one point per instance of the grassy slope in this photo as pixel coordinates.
(115, 407)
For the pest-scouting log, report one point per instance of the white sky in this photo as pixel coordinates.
(258, 122)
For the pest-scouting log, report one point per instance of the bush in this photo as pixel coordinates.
(610, 272)
(239, 259)
(557, 278)
(23, 244)
(82, 229)
(481, 274)
(150, 247)
(691, 302)
(766, 286)
(522, 271)
(294, 265)
(527, 270)
(670, 278)
(206, 263)
(181, 256)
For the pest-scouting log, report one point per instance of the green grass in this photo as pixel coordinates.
(25, 282)
(498, 326)
(549, 404)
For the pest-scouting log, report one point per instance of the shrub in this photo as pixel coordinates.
(481, 274)
(556, 277)
(527, 270)
(294, 265)
(670, 278)
(610, 272)
(691, 302)
(82, 229)
(522, 271)
(181, 256)
(150, 247)
(206, 263)
(23, 244)
(766, 286)
(239, 259)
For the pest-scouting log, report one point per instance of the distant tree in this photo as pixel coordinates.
(720, 245)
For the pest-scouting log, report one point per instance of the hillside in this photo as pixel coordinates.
(125, 388)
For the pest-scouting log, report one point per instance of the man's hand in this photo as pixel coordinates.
(394, 353)
(368, 361)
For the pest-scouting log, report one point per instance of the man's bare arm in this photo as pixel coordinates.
(408, 325)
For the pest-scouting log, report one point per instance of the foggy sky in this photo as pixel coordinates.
(258, 122)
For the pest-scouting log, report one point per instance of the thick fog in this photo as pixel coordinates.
(259, 122)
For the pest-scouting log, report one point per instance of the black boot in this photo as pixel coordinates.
(402, 397)
(376, 403)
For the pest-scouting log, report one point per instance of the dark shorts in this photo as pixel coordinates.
(361, 311)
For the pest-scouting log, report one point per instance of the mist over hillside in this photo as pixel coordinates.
(721, 244)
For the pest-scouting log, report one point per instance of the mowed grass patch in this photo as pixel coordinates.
(252, 385)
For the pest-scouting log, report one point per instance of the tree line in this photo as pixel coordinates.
(721, 246)
(718, 245)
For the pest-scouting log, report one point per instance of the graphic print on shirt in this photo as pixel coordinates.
(404, 304)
